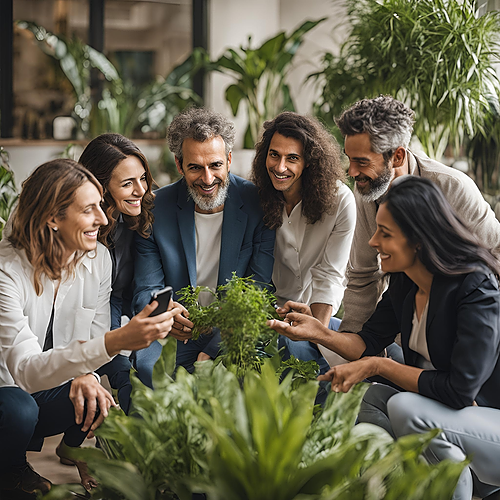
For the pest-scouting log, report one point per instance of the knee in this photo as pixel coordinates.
(18, 411)
(404, 415)
(377, 397)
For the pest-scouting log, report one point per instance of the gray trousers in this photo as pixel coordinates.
(473, 431)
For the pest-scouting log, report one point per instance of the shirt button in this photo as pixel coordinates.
(300, 288)
(295, 249)
(298, 277)
(289, 222)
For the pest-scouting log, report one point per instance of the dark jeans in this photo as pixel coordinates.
(118, 373)
(26, 419)
(187, 354)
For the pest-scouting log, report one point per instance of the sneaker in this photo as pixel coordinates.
(23, 480)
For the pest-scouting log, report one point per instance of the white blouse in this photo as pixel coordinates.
(310, 260)
(81, 318)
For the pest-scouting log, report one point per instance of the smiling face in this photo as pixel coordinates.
(396, 253)
(206, 171)
(127, 185)
(285, 164)
(78, 227)
(372, 174)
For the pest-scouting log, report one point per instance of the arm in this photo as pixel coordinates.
(148, 271)
(343, 377)
(329, 274)
(476, 349)
(262, 260)
(364, 276)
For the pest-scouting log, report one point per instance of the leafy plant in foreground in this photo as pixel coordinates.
(8, 190)
(258, 440)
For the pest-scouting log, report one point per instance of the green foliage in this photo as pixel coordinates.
(122, 108)
(258, 440)
(240, 311)
(302, 370)
(8, 190)
(260, 76)
(434, 55)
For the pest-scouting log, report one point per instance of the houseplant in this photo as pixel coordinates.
(434, 55)
(241, 431)
(8, 189)
(122, 108)
(260, 75)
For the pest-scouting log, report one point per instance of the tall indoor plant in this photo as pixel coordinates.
(260, 75)
(122, 107)
(435, 55)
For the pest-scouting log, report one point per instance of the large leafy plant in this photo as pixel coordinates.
(8, 189)
(255, 440)
(122, 108)
(260, 75)
(437, 56)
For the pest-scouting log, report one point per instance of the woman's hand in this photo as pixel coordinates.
(291, 306)
(343, 377)
(87, 391)
(141, 330)
(297, 326)
(181, 329)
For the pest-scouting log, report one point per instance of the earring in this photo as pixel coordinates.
(54, 228)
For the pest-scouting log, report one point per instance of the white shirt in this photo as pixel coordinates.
(208, 229)
(310, 260)
(81, 313)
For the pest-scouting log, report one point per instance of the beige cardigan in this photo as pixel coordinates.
(365, 278)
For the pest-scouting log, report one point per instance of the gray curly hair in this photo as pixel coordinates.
(388, 122)
(200, 124)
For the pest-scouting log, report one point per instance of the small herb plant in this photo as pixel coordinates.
(240, 311)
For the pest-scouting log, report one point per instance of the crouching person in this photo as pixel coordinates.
(55, 282)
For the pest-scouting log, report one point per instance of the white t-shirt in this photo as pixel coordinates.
(208, 229)
(311, 259)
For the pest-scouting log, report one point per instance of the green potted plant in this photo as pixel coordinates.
(435, 55)
(122, 108)
(260, 75)
(8, 189)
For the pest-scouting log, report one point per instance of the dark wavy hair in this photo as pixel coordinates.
(101, 156)
(47, 193)
(319, 181)
(444, 245)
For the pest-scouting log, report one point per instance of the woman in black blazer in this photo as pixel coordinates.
(444, 298)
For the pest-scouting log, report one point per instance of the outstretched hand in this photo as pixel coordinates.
(182, 327)
(291, 306)
(297, 326)
(343, 377)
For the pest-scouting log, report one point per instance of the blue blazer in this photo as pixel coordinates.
(168, 256)
(462, 330)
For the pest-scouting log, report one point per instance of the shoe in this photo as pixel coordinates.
(63, 451)
(23, 482)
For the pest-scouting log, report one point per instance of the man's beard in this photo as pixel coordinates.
(379, 186)
(210, 202)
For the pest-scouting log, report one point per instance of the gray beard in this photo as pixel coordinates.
(378, 186)
(209, 203)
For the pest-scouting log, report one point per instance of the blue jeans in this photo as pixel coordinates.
(26, 419)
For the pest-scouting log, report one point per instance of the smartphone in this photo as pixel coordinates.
(163, 297)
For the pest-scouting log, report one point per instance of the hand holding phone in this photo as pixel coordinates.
(163, 298)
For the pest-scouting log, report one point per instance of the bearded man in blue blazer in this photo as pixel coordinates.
(207, 226)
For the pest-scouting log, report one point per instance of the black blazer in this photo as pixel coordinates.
(463, 335)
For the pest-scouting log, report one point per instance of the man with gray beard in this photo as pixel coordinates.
(377, 133)
(207, 226)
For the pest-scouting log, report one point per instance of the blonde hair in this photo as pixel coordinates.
(47, 193)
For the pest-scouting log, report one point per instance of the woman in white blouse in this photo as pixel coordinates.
(55, 282)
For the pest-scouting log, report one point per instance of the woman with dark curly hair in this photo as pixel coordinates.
(124, 174)
(299, 173)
